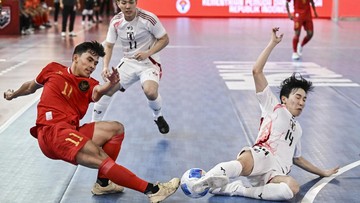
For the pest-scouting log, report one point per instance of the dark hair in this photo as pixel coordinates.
(94, 47)
(295, 81)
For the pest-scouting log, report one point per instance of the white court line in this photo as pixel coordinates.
(12, 67)
(18, 114)
(314, 190)
(22, 110)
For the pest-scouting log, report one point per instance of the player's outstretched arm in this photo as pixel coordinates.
(309, 167)
(288, 11)
(109, 87)
(27, 88)
(314, 8)
(258, 74)
(108, 47)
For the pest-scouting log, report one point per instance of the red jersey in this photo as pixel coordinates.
(302, 7)
(32, 3)
(65, 97)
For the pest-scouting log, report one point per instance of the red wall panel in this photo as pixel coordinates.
(241, 8)
(226, 8)
(349, 8)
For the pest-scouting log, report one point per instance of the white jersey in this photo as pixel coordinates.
(140, 34)
(279, 132)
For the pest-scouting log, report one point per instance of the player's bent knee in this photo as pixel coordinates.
(151, 92)
(151, 95)
(117, 127)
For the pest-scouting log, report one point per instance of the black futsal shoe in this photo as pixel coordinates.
(162, 125)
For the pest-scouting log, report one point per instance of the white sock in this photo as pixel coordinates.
(231, 169)
(270, 191)
(155, 106)
(100, 108)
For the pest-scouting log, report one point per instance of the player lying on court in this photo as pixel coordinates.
(268, 162)
(67, 92)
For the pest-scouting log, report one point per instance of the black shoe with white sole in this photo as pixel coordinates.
(162, 125)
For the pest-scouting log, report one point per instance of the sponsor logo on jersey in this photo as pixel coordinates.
(130, 33)
(59, 72)
(292, 124)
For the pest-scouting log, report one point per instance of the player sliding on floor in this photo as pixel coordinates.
(277, 147)
(67, 92)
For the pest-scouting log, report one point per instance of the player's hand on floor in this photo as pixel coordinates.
(8, 95)
(330, 172)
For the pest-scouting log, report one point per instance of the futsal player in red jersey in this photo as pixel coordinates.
(67, 92)
(302, 18)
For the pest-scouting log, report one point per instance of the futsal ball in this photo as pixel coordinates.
(188, 179)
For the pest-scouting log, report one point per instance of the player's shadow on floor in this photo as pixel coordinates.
(108, 198)
(298, 198)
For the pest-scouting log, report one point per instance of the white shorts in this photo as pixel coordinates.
(266, 166)
(87, 12)
(132, 70)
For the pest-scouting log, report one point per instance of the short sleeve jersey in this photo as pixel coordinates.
(140, 34)
(302, 7)
(65, 97)
(279, 132)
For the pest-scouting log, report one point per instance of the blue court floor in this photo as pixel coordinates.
(209, 102)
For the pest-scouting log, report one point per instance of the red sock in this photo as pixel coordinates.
(122, 176)
(112, 148)
(37, 21)
(45, 18)
(295, 42)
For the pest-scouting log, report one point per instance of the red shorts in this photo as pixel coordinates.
(63, 140)
(301, 20)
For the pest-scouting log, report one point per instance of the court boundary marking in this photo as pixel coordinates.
(314, 190)
(18, 114)
(12, 67)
